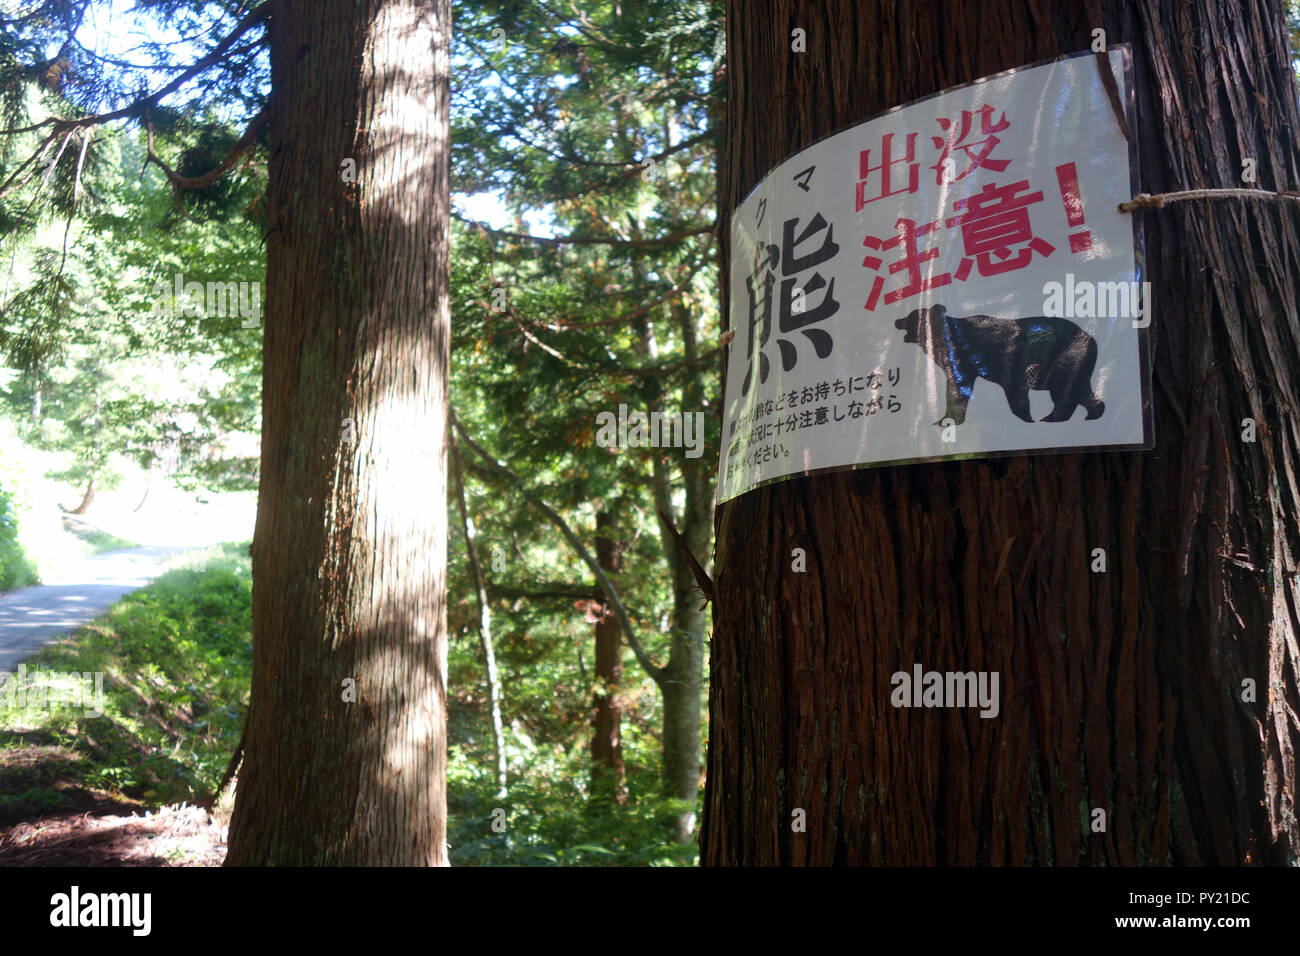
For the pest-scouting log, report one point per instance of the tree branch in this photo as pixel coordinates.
(620, 612)
(180, 182)
(32, 161)
(573, 159)
(136, 107)
(565, 591)
(676, 289)
(667, 240)
(701, 576)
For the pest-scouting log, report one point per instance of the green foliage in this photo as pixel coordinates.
(16, 569)
(550, 821)
(176, 658)
(105, 376)
(599, 125)
(562, 119)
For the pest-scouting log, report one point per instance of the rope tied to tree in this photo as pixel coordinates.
(1157, 201)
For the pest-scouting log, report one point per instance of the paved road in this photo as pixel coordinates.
(34, 617)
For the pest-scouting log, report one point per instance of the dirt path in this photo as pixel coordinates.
(34, 617)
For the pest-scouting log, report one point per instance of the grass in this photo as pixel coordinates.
(176, 659)
(17, 570)
(95, 540)
(547, 820)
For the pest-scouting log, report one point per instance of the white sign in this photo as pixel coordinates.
(951, 279)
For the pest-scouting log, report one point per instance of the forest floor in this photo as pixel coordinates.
(178, 835)
(121, 726)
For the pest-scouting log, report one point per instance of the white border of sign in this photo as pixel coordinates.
(733, 404)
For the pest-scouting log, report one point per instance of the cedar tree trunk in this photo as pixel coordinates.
(1123, 690)
(608, 774)
(350, 545)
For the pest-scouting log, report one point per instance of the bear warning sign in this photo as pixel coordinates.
(951, 279)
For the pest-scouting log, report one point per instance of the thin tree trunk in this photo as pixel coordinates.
(87, 499)
(680, 682)
(349, 552)
(681, 679)
(673, 679)
(484, 623)
(1121, 691)
(608, 774)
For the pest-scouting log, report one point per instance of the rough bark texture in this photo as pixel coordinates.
(608, 774)
(350, 545)
(1122, 690)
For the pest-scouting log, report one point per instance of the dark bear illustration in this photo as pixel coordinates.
(1018, 354)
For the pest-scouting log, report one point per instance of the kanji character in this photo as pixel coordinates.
(911, 262)
(992, 221)
(956, 140)
(887, 160)
(790, 263)
(762, 319)
(792, 320)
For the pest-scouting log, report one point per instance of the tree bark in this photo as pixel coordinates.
(1121, 691)
(681, 679)
(608, 774)
(680, 682)
(87, 499)
(349, 551)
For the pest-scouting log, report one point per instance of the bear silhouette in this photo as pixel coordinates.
(1017, 354)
